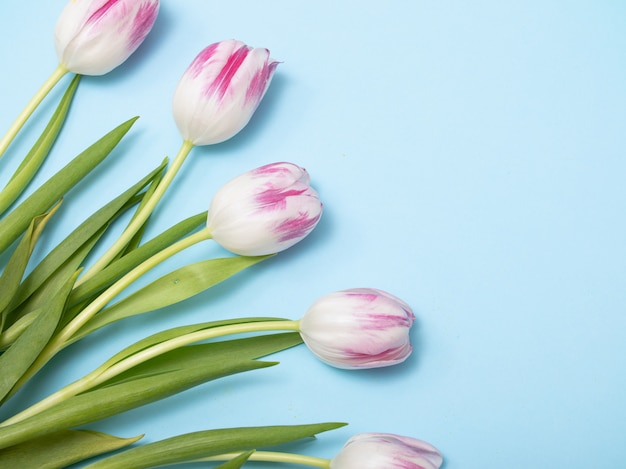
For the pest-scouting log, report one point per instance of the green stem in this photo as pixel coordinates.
(106, 372)
(274, 456)
(37, 98)
(141, 216)
(63, 337)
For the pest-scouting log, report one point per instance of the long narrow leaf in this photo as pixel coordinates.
(17, 359)
(36, 156)
(106, 277)
(12, 275)
(81, 235)
(172, 288)
(135, 241)
(204, 355)
(237, 462)
(54, 188)
(60, 449)
(111, 400)
(179, 331)
(39, 298)
(207, 443)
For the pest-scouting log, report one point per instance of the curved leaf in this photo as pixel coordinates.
(81, 235)
(185, 448)
(36, 156)
(62, 448)
(54, 188)
(12, 275)
(16, 360)
(114, 271)
(116, 398)
(172, 288)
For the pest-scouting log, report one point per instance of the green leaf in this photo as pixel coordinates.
(54, 188)
(36, 156)
(135, 241)
(16, 360)
(12, 275)
(115, 398)
(114, 271)
(204, 355)
(41, 298)
(172, 288)
(81, 235)
(237, 461)
(62, 448)
(192, 446)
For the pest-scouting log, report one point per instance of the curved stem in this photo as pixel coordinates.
(59, 341)
(106, 372)
(274, 456)
(141, 216)
(30, 107)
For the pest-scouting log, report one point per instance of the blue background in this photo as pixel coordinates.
(470, 156)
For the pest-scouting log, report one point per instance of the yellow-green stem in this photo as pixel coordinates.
(141, 216)
(106, 371)
(63, 337)
(274, 456)
(30, 107)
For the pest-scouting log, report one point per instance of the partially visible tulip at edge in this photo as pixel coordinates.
(386, 451)
(92, 37)
(358, 328)
(219, 92)
(264, 211)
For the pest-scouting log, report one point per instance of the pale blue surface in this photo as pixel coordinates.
(470, 156)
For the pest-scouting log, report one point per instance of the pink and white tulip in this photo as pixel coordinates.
(264, 211)
(92, 37)
(221, 89)
(358, 328)
(385, 450)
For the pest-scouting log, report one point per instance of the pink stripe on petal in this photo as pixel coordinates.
(222, 82)
(385, 321)
(143, 22)
(201, 59)
(363, 295)
(259, 82)
(391, 355)
(270, 169)
(296, 227)
(276, 199)
(100, 12)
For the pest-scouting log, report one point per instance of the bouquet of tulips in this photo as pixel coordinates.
(49, 304)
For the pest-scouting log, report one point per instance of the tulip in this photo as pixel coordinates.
(358, 328)
(363, 451)
(213, 101)
(92, 37)
(264, 211)
(220, 91)
(384, 450)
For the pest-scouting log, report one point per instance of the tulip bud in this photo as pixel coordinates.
(384, 450)
(358, 328)
(92, 37)
(220, 91)
(265, 210)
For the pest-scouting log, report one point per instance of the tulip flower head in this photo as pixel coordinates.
(220, 91)
(264, 211)
(384, 450)
(92, 37)
(358, 328)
